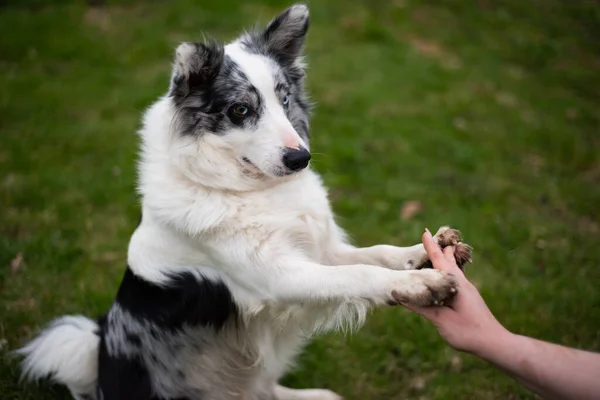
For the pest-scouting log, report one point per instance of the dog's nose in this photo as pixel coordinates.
(296, 159)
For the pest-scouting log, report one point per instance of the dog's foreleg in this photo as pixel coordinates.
(284, 393)
(400, 258)
(392, 257)
(299, 280)
(280, 273)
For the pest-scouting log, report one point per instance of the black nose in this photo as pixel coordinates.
(296, 159)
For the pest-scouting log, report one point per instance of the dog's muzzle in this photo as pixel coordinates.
(296, 159)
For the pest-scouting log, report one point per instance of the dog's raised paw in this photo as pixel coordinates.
(463, 254)
(446, 236)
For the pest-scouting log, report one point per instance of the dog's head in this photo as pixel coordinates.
(241, 114)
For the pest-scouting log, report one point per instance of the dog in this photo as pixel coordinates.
(237, 260)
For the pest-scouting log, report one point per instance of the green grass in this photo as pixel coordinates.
(485, 112)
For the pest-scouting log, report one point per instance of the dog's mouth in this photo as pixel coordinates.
(252, 169)
(249, 166)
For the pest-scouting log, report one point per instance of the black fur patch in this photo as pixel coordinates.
(122, 378)
(133, 339)
(185, 300)
(203, 65)
(205, 104)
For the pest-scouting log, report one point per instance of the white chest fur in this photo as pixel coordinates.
(297, 212)
(189, 227)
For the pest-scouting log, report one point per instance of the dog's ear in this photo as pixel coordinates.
(285, 34)
(196, 65)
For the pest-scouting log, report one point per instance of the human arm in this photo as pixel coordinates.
(552, 371)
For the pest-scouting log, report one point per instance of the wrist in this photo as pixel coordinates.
(492, 342)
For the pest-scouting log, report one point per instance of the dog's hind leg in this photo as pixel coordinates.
(284, 393)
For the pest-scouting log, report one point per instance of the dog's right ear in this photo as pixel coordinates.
(196, 65)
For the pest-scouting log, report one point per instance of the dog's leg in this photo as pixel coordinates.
(392, 257)
(402, 258)
(284, 393)
(300, 280)
(275, 271)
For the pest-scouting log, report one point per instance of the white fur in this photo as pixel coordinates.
(68, 350)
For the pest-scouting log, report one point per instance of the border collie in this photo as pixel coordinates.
(237, 260)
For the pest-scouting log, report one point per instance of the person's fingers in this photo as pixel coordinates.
(449, 254)
(451, 265)
(426, 312)
(431, 313)
(440, 260)
(433, 251)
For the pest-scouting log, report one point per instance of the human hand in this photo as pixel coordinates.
(466, 324)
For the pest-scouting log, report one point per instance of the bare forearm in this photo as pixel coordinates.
(552, 371)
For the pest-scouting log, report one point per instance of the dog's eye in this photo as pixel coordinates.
(240, 110)
(286, 100)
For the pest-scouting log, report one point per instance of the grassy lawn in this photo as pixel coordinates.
(484, 113)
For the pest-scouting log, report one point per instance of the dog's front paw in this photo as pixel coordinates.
(446, 236)
(463, 254)
(427, 288)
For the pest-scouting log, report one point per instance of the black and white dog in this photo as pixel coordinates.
(237, 260)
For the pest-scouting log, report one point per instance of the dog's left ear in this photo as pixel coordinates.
(285, 34)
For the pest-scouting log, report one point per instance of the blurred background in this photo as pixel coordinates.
(481, 114)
